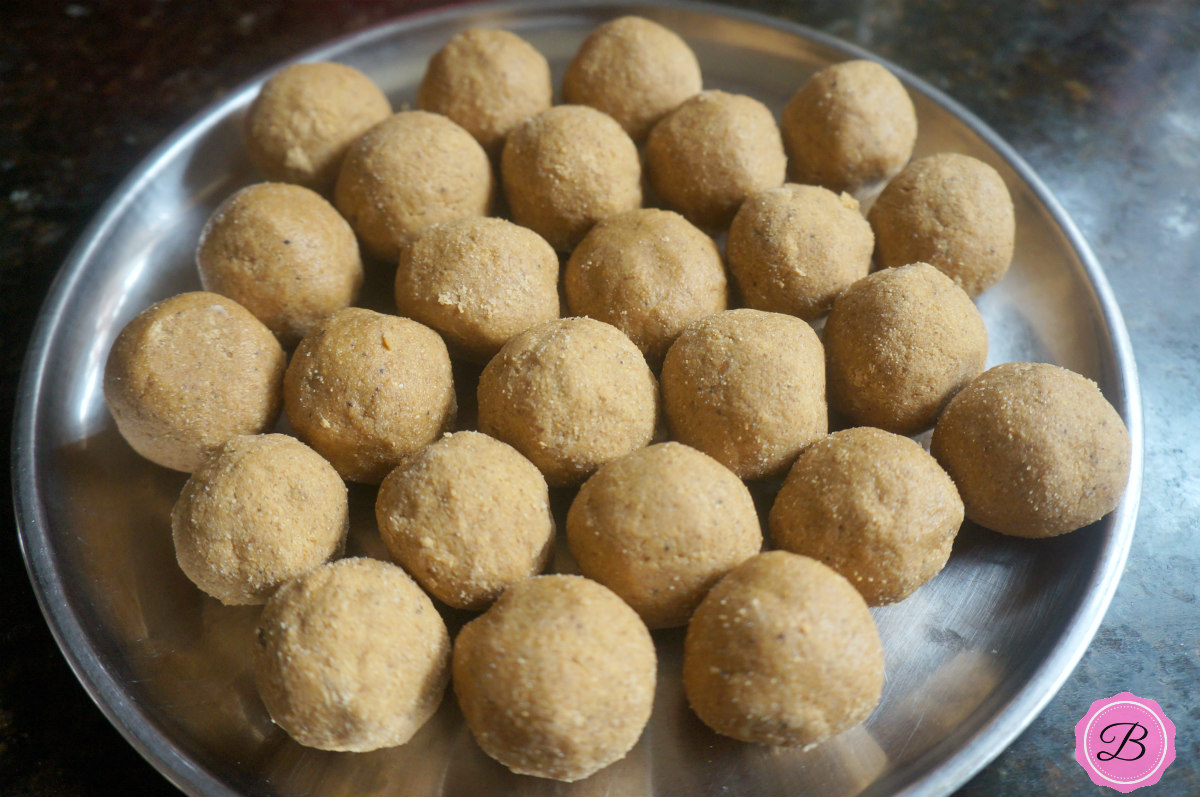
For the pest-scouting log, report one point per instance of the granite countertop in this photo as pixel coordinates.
(1101, 98)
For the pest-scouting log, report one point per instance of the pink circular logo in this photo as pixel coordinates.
(1125, 742)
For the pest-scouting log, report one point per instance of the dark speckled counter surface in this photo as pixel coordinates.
(1101, 97)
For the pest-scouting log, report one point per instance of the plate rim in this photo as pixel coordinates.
(34, 535)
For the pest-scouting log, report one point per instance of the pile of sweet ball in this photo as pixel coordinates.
(556, 677)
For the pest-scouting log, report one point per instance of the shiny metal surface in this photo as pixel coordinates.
(971, 657)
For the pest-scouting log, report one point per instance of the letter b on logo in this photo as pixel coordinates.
(1109, 734)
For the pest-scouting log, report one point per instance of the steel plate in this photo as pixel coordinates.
(971, 657)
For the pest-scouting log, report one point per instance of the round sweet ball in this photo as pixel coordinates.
(634, 70)
(351, 657)
(660, 526)
(850, 125)
(190, 372)
(282, 252)
(570, 394)
(478, 282)
(488, 81)
(874, 506)
(782, 651)
(952, 211)
(557, 679)
(467, 516)
(649, 273)
(747, 388)
(1035, 449)
(898, 345)
(566, 169)
(793, 249)
(712, 152)
(367, 389)
(305, 118)
(409, 172)
(263, 509)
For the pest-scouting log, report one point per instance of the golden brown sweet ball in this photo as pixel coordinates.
(478, 281)
(351, 657)
(952, 211)
(367, 389)
(713, 151)
(467, 516)
(850, 125)
(660, 526)
(649, 273)
(1035, 450)
(566, 169)
(874, 506)
(190, 372)
(898, 345)
(569, 394)
(409, 172)
(305, 118)
(634, 70)
(782, 651)
(263, 509)
(282, 252)
(557, 679)
(488, 81)
(747, 388)
(793, 249)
